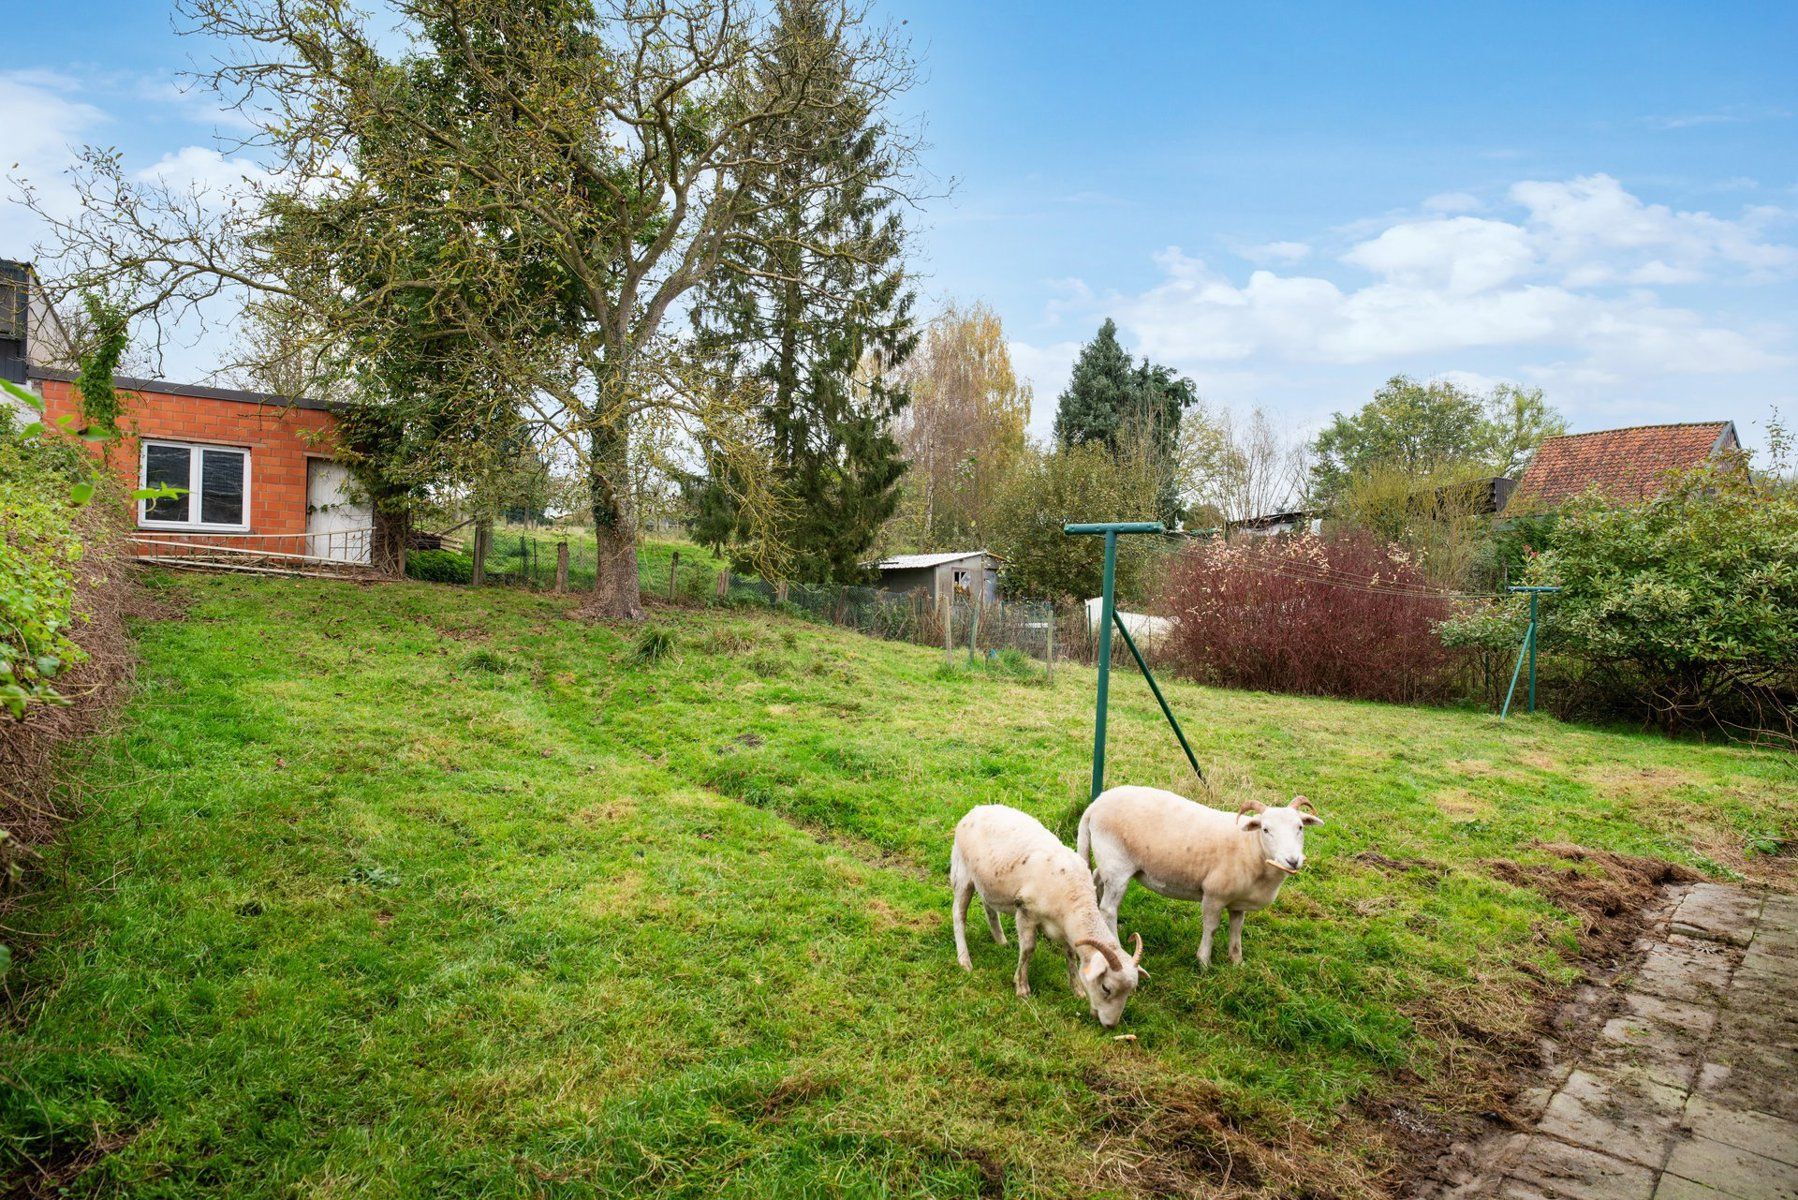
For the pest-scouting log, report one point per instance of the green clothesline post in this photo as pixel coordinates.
(1107, 618)
(1528, 648)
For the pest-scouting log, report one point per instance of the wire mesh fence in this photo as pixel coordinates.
(963, 625)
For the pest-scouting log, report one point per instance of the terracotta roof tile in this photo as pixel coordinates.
(1625, 464)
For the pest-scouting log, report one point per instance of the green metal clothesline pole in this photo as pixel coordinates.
(1107, 618)
(1159, 698)
(1527, 649)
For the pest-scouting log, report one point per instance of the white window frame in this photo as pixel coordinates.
(194, 505)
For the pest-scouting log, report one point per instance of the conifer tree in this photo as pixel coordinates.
(816, 313)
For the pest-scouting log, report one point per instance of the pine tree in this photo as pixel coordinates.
(1098, 392)
(1108, 400)
(817, 314)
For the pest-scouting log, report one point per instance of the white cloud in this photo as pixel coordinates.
(1567, 280)
(1453, 202)
(202, 169)
(1266, 252)
(1047, 369)
(40, 119)
(1591, 226)
(1459, 254)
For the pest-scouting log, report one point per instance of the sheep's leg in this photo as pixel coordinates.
(964, 895)
(1074, 972)
(1026, 943)
(1236, 916)
(992, 923)
(1111, 898)
(1212, 912)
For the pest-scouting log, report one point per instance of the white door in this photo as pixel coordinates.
(336, 527)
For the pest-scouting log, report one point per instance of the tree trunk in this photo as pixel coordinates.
(616, 594)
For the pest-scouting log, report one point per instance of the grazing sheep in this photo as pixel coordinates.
(1186, 851)
(1021, 868)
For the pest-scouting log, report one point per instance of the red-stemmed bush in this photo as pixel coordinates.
(1345, 615)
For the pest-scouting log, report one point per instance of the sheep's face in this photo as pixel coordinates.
(1108, 983)
(1282, 832)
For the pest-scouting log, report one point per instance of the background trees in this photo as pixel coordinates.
(963, 431)
(814, 310)
(1108, 400)
(506, 211)
(1427, 428)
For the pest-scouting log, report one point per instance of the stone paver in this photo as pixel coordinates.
(1690, 1089)
(1732, 1170)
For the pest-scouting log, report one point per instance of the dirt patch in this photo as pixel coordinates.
(1607, 892)
(1190, 1138)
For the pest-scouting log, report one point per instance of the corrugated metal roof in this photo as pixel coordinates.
(917, 562)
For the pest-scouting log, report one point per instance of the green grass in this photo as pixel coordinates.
(529, 555)
(422, 891)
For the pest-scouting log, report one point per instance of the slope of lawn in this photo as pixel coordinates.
(410, 890)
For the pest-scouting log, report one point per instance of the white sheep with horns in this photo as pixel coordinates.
(1229, 862)
(1019, 867)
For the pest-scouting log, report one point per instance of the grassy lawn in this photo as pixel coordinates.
(411, 890)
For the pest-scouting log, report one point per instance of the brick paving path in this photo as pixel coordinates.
(1690, 1090)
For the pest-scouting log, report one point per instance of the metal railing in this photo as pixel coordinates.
(322, 552)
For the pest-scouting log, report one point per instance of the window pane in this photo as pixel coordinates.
(166, 464)
(221, 487)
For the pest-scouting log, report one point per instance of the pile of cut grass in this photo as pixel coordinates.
(410, 890)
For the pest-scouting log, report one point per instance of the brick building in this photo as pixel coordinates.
(258, 470)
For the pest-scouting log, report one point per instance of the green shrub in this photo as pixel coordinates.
(439, 566)
(1684, 609)
(44, 482)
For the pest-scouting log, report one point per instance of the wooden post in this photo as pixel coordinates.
(780, 592)
(562, 565)
(1050, 655)
(673, 572)
(973, 627)
(945, 603)
(723, 583)
(483, 534)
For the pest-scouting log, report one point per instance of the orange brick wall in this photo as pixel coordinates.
(279, 441)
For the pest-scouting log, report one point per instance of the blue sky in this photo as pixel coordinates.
(1289, 202)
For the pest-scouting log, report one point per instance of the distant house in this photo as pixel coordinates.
(259, 476)
(1298, 520)
(1623, 464)
(968, 572)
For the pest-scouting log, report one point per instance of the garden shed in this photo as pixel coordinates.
(968, 572)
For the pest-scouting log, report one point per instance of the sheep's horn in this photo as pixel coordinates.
(1111, 956)
(1137, 957)
(1301, 802)
(1251, 808)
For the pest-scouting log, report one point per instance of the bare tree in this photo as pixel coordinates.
(505, 216)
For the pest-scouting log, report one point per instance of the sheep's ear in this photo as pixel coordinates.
(1251, 823)
(1095, 967)
(1310, 819)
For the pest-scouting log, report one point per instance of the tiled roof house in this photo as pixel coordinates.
(1624, 464)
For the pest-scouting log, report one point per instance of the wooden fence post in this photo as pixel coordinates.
(780, 592)
(1049, 657)
(673, 572)
(945, 603)
(483, 535)
(562, 565)
(723, 583)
